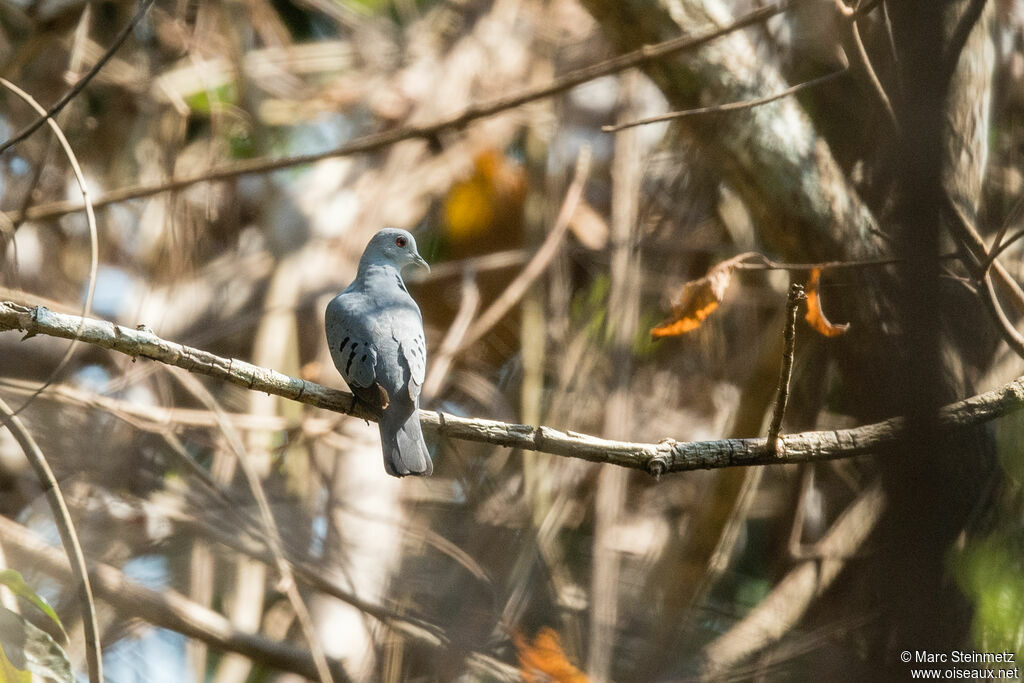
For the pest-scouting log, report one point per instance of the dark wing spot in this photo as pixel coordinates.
(354, 345)
(341, 346)
(363, 359)
(349, 363)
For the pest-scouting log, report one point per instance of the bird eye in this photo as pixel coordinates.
(401, 241)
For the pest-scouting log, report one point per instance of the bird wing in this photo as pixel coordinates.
(352, 345)
(412, 348)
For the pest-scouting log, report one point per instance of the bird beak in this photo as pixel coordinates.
(418, 260)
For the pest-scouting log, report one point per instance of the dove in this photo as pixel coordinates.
(375, 333)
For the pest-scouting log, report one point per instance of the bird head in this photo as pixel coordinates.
(393, 246)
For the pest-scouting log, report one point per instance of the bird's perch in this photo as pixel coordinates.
(663, 457)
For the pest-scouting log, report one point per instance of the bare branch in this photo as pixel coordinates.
(731, 106)
(853, 47)
(796, 295)
(958, 40)
(469, 302)
(659, 458)
(765, 263)
(990, 299)
(498, 260)
(999, 245)
(965, 230)
(989, 272)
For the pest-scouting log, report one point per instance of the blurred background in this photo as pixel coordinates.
(509, 565)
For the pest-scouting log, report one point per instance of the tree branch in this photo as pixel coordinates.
(659, 458)
(727, 107)
(796, 295)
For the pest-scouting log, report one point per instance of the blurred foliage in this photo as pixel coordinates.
(16, 584)
(487, 203)
(28, 653)
(991, 572)
(494, 558)
(990, 568)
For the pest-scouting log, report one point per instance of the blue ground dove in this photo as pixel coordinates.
(375, 333)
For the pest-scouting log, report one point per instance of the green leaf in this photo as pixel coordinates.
(14, 581)
(204, 101)
(27, 651)
(10, 673)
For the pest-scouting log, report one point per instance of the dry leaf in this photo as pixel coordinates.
(815, 317)
(545, 660)
(698, 299)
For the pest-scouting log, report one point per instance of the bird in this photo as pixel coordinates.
(375, 333)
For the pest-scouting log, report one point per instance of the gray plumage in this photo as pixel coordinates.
(375, 332)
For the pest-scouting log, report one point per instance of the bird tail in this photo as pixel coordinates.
(401, 438)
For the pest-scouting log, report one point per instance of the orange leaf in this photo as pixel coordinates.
(697, 300)
(815, 317)
(545, 660)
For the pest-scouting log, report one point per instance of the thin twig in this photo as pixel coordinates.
(987, 291)
(893, 53)
(68, 537)
(496, 261)
(375, 141)
(731, 106)
(469, 301)
(539, 263)
(967, 234)
(962, 32)
(853, 46)
(47, 115)
(656, 458)
(765, 263)
(1000, 247)
(798, 550)
(990, 299)
(1012, 218)
(796, 295)
(90, 219)
(161, 420)
(37, 175)
(867, 8)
